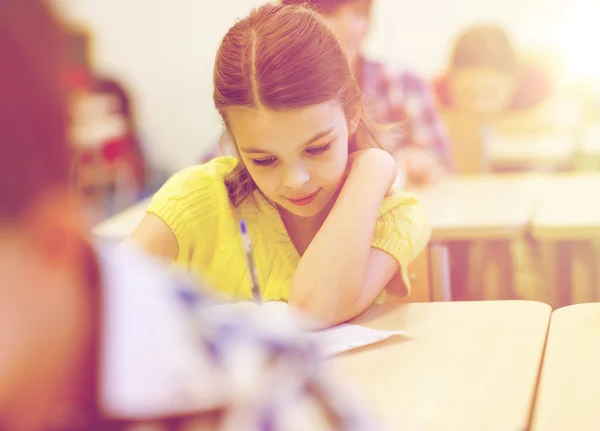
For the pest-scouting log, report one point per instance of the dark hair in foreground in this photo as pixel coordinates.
(35, 155)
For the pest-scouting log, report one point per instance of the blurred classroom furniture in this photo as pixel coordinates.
(566, 223)
(544, 137)
(549, 152)
(419, 274)
(115, 229)
(569, 386)
(491, 212)
(534, 141)
(461, 366)
(589, 152)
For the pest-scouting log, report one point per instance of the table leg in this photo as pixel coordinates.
(440, 272)
(583, 269)
(556, 274)
(459, 252)
(476, 271)
(498, 270)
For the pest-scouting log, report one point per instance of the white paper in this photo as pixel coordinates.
(276, 316)
(346, 337)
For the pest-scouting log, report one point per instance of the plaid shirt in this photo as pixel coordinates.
(171, 358)
(401, 96)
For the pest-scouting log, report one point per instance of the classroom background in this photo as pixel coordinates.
(500, 331)
(163, 51)
(516, 218)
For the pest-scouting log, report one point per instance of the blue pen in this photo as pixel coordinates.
(252, 271)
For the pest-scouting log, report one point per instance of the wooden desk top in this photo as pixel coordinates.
(481, 207)
(467, 365)
(568, 207)
(569, 389)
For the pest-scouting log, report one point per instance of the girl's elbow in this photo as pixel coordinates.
(324, 312)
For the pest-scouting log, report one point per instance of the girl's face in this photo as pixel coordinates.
(296, 157)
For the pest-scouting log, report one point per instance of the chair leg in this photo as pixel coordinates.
(440, 272)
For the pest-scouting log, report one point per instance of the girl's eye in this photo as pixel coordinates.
(264, 162)
(318, 150)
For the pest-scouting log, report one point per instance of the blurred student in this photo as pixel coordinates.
(329, 233)
(485, 84)
(89, 342)
(485, 77)
(124, 153)
(110, 168)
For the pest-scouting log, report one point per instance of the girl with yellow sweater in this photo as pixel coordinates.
(328, 232)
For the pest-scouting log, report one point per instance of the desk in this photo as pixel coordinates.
(116, 228)
(493, 210)
(589, 155)
(467, 365)
(566, 222)
(568, 207)
(481, 207)
(570, 381)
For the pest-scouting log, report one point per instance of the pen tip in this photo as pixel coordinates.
(243, 227)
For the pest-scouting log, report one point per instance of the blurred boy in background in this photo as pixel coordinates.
(485, 76)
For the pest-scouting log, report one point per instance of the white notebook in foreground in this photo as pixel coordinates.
(332, 341)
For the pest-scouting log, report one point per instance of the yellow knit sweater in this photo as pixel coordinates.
(194, 203)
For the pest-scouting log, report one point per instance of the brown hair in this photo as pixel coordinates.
(485, 45)
(33, 111)
(326, 7)
(283, 57)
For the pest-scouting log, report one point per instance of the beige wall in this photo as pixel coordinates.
(164, 49)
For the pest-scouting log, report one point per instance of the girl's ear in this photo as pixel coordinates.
(354, 121)
(227, 144)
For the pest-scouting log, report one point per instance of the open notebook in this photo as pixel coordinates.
(332, 341)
